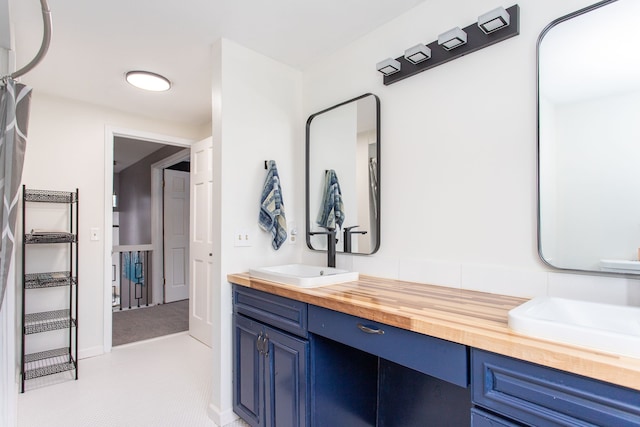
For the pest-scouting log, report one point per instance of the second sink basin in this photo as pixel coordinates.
(605, 327)
(304, 276)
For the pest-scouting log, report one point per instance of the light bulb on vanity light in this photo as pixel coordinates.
(388, 66)
(452, 39)
(494, 20)
(417, 53)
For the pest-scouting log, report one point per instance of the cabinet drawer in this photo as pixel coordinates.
(541, 396)
(432, 356)
(481, 418)
(283, 313)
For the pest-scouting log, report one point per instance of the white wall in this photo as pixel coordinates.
(458, 178)
(5, 31)
(65, 150)
(256, 117)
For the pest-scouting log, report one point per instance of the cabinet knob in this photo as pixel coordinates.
(262, 344)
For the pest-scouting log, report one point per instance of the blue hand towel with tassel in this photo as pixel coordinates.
(331, 213)
(272, 216)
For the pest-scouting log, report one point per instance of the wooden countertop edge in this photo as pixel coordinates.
(620, 370)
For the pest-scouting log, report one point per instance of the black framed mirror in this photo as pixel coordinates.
(343, 176)
(589, 140)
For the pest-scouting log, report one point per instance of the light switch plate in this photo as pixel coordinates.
(242, 237)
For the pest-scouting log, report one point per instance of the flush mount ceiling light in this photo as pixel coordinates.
(452, 39)
(148, 81)
(417, 53)
(388, 66)
(494, 20)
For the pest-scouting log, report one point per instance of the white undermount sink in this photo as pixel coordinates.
(609, 328)
(304, 276)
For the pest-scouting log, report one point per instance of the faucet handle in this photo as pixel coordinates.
(330, 230)
(347, 230)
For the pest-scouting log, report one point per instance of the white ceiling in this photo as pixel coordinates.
(96, 41)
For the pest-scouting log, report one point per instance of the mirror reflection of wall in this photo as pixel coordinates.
(589, 139)
(345, 139)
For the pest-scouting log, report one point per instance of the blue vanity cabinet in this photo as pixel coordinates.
(516, 392)
(271, 359)
(367, 373)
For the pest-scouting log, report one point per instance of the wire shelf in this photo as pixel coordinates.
(48, 363)
(49, 237)
(48, 280)
(64, 318)
(50, 196)
(47, 321)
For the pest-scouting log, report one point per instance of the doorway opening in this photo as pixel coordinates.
(150, 250)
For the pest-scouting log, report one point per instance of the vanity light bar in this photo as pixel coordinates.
(492, 27)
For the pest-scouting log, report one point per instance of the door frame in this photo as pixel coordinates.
(109, 135)
(157, 232)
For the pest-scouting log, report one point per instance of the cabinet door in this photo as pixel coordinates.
(248, 390)
(287, 380)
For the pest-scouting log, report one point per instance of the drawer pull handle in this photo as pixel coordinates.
(369, 330)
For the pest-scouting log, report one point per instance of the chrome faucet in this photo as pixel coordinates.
(331, 244)
(347, 237)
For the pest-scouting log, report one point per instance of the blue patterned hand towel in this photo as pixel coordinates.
(272, 216)
(332, 209)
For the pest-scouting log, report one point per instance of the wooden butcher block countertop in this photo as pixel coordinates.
(472, 318)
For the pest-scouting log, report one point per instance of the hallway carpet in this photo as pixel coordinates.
(150, 322)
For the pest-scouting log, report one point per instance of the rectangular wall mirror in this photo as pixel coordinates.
(343, 160)
(589, 139)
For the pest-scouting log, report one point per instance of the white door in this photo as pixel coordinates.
(201, 240)
(176, 235)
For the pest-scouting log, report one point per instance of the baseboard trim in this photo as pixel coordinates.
(85, 353)
(221, 418)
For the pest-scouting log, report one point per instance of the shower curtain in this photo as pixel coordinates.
(14, 120)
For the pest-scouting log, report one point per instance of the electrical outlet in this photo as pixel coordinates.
(242, 237)
(293, 233)
(94, 234)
